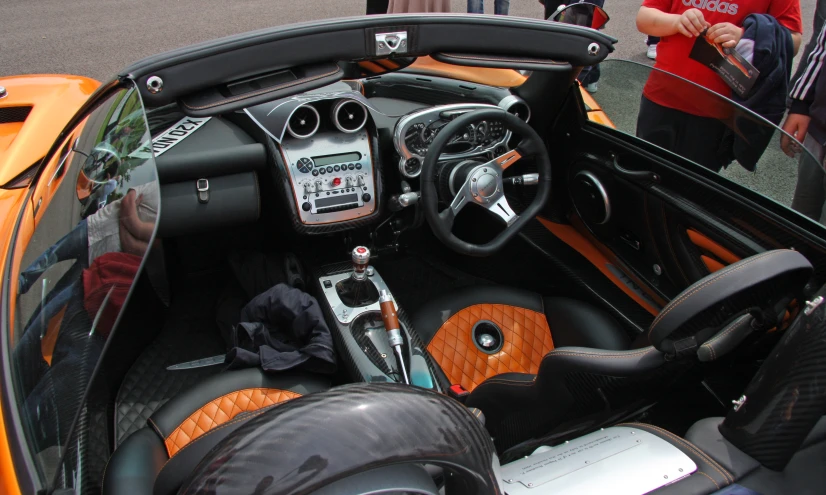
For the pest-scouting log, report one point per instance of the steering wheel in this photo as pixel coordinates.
(482, 183)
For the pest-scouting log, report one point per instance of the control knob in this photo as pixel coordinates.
(360, 180)
(318, 185)
(348, 181)
(307, 188)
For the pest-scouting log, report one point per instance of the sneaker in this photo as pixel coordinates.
(652, 52)
(591, 88)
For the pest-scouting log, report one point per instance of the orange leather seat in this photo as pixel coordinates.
(159, 457)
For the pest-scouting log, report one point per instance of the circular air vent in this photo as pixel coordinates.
(516, 106)
(303, 122)
(349, 116)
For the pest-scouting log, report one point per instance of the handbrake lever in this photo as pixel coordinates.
(394, 334)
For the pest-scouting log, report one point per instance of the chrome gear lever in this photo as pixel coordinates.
(358, 290)
(394, 334)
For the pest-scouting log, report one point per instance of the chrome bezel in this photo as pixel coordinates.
(338, 106)
(315, 129)
(427, 117)
(403, 165)
(605, 200)
(509, 101)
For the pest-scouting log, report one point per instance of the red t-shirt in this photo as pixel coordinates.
(673, 51)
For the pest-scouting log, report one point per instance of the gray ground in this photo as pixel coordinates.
(96, 38)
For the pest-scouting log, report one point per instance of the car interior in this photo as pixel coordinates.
(596, 280)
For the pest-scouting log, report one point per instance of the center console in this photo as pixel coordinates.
(352, 294)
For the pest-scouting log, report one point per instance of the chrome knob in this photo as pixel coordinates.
(348, 181)
(318, 185)
(360, 257)
(307, 188)
(360, 180)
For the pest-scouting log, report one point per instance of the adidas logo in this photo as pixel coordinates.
(713, 6)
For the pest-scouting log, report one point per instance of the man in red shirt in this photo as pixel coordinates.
(675, 114)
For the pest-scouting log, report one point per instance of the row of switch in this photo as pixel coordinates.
(336, 182)
(336, 168)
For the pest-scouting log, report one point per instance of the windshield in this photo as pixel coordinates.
(95, 225)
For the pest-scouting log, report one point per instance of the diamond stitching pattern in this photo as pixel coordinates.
(527, 339)
(221, 410)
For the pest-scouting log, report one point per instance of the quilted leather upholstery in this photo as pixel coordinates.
(221, 410)
(527, 339)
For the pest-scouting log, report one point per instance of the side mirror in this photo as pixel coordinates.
(581, 14)
(100, 167)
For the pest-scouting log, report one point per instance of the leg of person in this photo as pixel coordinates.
(501, 7)
(73, 245)
(551, 6)
(694, 138)
(809, 195)
(589, 78)
(651, 52)
(475, 6)
(377, 6)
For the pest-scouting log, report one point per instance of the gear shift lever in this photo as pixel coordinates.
(358, 290)
(394, 334)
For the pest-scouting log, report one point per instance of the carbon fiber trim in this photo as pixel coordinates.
(309, 442)
(786, 397)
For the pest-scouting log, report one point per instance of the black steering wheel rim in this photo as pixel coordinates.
(530, 146)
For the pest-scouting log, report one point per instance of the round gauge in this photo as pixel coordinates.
(411, 167)
(304, 165)
(413, 139)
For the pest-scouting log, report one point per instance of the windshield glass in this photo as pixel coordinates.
(750, 154)
(95, 225)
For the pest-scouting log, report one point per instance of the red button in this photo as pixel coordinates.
(336, 181)
(361, 250)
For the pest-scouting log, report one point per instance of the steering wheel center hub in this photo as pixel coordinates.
(484, 184)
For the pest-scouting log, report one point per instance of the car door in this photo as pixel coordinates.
(93, 206)
(651, 222)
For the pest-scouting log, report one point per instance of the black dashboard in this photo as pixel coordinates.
(333, 156)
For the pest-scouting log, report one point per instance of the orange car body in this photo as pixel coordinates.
(53, 100)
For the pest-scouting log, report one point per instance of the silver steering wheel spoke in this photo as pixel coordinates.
(503, 210)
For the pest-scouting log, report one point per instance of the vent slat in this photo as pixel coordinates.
(10, 115)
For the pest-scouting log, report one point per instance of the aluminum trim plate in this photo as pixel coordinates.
(619, 460)
(345, 314)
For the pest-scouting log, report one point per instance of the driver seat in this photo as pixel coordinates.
(540, 365)
(158, 458)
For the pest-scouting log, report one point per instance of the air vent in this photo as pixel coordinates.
(10, 115)
(349, 116)
(516, 106)
(304, 122)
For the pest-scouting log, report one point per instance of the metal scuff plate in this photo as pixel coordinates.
(618, 460)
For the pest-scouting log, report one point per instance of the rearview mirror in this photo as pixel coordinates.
(581, 14)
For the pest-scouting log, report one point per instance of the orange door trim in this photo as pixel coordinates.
(712, 264)
(711, 247)
(570, 236)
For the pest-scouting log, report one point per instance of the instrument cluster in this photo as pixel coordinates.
(415, 133)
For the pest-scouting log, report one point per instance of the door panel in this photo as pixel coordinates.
(671, 221)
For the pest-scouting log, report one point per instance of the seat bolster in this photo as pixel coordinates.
(430, 318)
(599, 361)
(173, 413)
(181, 465)
(577, 323)
(133, 467)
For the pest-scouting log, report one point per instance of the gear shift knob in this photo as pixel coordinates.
(361, 258)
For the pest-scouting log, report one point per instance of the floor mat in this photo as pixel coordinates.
(189, 333)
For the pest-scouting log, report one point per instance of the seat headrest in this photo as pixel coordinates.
(760, 281)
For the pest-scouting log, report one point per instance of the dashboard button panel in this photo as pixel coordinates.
(330, 188)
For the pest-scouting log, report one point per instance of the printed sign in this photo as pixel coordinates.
(735, 70)
(172, 136)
